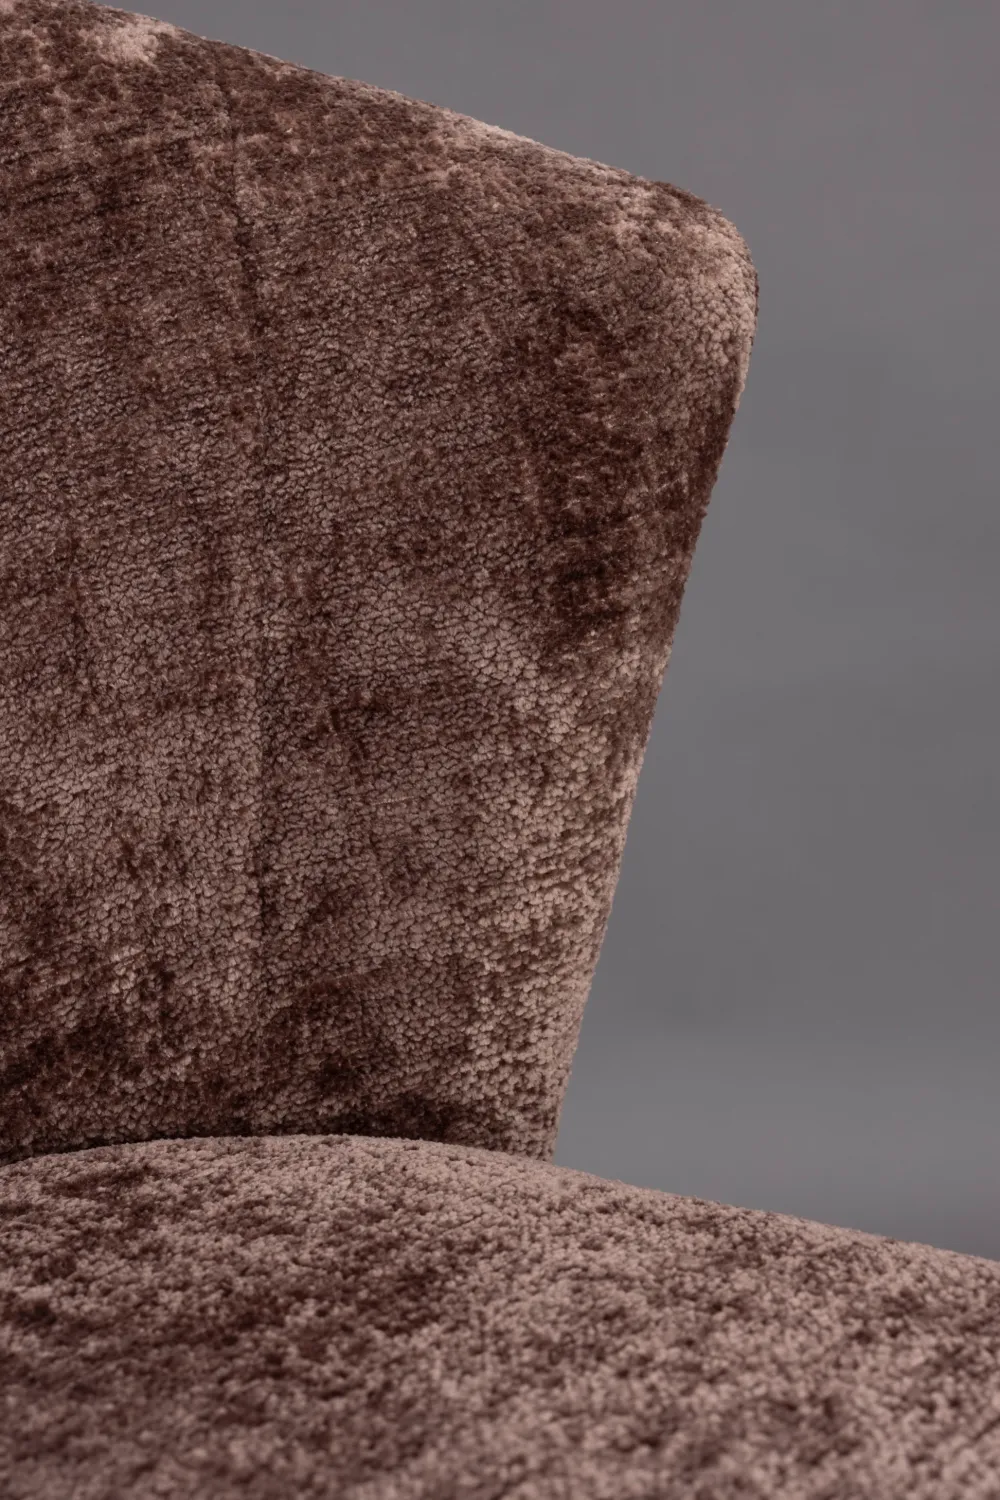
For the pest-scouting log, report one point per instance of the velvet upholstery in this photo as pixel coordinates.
(374, 1319)
(352, 459)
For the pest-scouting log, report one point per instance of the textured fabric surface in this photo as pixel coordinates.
(353, 455)
(375, 1319)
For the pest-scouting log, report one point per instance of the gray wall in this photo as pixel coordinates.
(796, 1006)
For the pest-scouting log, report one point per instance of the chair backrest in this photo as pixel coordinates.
(353, 456)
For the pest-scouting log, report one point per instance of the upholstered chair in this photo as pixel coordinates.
(352, 457)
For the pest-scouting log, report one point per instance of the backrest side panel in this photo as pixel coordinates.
(130, 749)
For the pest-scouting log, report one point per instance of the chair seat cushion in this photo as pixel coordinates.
(387, 1319)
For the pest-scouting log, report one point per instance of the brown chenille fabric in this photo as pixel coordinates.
(353, 455)
(376, 1319)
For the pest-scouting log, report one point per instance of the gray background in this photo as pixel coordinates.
(796, 1004)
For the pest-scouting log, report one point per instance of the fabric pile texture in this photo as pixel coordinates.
(353, 455)
(354, 458)
(407, 1320)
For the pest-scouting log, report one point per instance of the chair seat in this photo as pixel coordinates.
(386, 1319)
